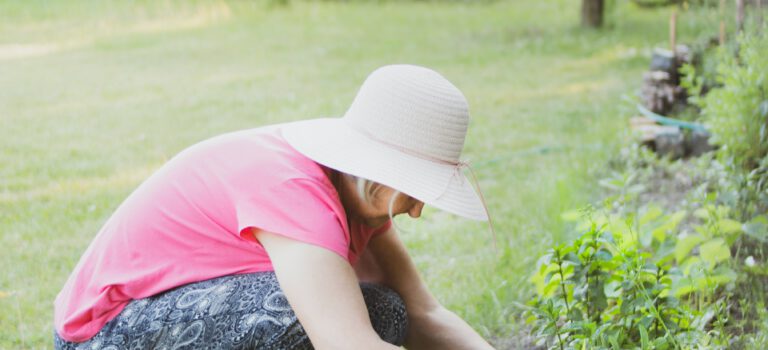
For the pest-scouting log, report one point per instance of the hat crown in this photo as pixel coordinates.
(414, 109)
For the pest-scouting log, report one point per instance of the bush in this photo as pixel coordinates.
(629, 283)
(737, 110)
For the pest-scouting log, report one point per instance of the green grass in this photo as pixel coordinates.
(95, 95)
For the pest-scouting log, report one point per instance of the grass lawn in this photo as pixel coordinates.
(95, 95)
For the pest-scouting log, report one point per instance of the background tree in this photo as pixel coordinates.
(592, 13)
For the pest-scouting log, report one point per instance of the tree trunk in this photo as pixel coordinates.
(592, 13)
(739, 15)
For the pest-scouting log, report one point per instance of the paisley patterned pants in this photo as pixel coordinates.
(246, 311)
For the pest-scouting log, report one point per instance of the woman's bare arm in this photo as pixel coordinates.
(431, 326)
(324, 293)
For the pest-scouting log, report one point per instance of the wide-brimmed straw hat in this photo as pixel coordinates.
(405, 129)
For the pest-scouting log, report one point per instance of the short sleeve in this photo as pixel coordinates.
(300, 209)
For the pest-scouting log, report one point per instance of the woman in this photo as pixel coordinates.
(281, 237)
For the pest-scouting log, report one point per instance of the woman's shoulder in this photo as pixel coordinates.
(257, 152)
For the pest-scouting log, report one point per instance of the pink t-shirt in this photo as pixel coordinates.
(190, 222)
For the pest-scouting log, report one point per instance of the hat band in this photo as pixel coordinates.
(402, 149)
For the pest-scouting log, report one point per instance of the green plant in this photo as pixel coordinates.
(637, 281)
(759, 339)
(737, 109)
(720, 200)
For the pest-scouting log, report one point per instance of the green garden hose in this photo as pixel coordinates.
(670, 121)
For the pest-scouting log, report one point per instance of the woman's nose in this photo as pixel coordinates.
(415, 211)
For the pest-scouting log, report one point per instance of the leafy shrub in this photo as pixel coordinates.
(629, 283)
(737, 109)
(638, 177)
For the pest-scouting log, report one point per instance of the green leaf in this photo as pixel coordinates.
(612, 183)
(603, 255)
(722, 275)
(660, 232)
(542, 277)
(652, 213)
(700, 322)
(661, 343)
(645, 237)
(571, 327)
(757, 228)
(681, 287)
(612, 289)
(692, 265)
(715, 251)
(685, 245)
(728, 226)
(644, 339)
(701, 213)
(664, 253)
(703, 283)
(615, 342)
(550, 288)
(575, 315)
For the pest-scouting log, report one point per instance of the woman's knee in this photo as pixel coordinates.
(387, 312)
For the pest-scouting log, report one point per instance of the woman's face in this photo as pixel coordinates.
(402, 204)
(375, 212)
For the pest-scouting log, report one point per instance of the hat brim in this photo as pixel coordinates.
(331, 142)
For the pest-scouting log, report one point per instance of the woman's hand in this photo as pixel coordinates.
(430, 325)
(324, 293)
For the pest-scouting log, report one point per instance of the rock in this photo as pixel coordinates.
(641, 120)
(656, 77)
(683, 54)
(697, 143)
(669, 141)
(644, 129)
(663, 60)
(658, 93)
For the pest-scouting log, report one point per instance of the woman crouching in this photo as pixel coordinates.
(281, 237)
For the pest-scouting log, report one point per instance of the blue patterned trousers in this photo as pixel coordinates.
(246, 311)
